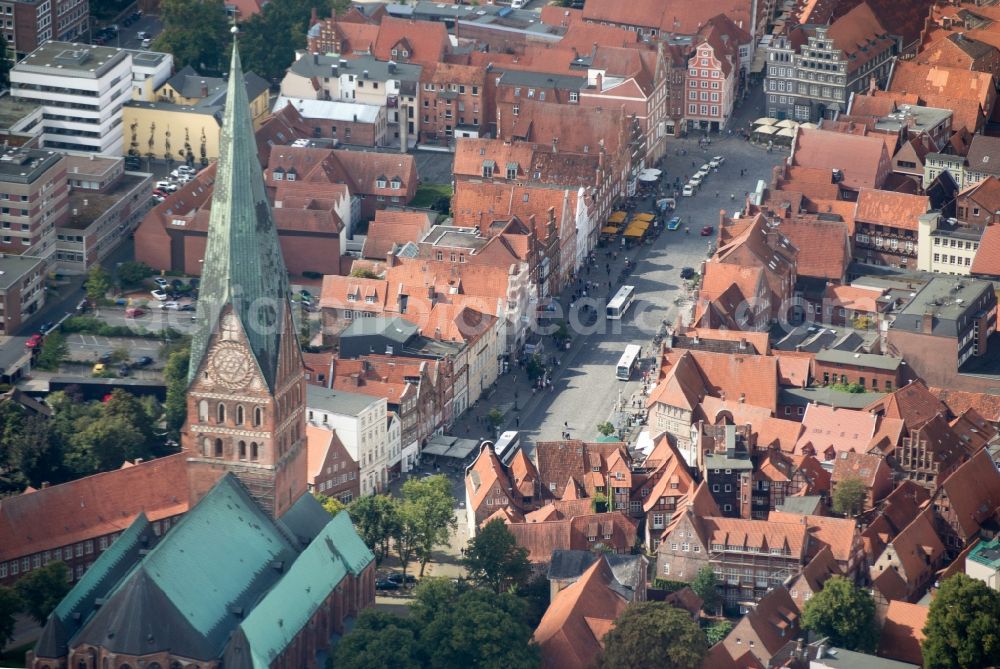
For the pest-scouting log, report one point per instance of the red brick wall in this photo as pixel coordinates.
(854, 374)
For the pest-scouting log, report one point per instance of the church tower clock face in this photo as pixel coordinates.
(230, 365)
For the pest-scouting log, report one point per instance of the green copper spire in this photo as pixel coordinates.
(243, 267)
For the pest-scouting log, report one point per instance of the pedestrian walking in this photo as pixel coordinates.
(517, 421)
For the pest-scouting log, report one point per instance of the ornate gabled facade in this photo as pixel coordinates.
(247, 387)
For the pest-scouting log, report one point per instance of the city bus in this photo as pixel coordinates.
(620, 303)
(628, 362)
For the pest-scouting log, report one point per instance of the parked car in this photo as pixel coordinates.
(168, 186)
(706, 168)
(707, 231)
(185, 178)
(160, 193)
(716, 161)
(385, 584)
(34, 341)
(398, 578)
(188, 307)
(161, 282)
(170, 305)
(144, 361)
(159, 295)
(146, 43)
(134, 312)
(141, 35)
(687, 273)
(46, 327)
(696, 179)
(124, 370)
(98, 369)
(105, 357)
(674, 223)
(688, 190)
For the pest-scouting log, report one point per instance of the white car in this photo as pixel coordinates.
(696, 180)
(706, 168)
(168, 186)
(716, 161)
(184, 178)
(161, 282)
(183, 170)
(688, 190)
(170, 305)
(159, 295)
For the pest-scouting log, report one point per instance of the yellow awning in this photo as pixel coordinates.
(617, 217)
(609, 230)
(634, 233)
(648, 218)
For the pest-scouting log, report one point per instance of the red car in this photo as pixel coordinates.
(161, 193)
(34, 341)
(707, 231)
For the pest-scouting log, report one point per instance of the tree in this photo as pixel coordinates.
(376, 518)
(379, 640)
(849, 496)
(705, 586)
(406, 535)
(433, 596)
(134, 272)
(606, 428)
(483, 630)
(429, 504)
(494, 560)
(844, 613)
(331, 505)
(10, 606)
(54, 351)
(33, 452)
(106, 443)
(175, 375)
(650, 635)
(363, 273)
(962, 629)
(42, 589)
(494, 418)
(718, 632)
(196, 32)
(98, 284)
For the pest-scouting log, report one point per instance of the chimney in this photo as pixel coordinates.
(392, 67)
(366, 74)
(927, 326)
(555, 140)
(204, 89)
(390, 259)
(431, 294)
(45, 484)
(315, 59)
(743, 344)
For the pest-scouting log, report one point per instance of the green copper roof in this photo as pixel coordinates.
(243, 266)
(290, 604)
(221, 550)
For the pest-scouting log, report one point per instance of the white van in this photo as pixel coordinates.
(516, 4)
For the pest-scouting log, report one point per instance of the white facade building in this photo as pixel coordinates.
(81, 89)
(360, 423)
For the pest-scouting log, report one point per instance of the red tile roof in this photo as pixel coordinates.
(860, 158)
(778, 432)
(860, 466)
(986, 405)
(391, 228)
(987, 260)
(427, 41)
(903, 632)
(752, 379)
(855, 299)
(762, 534)
(773, 622)
(894, 210)
(913, 403)
(542, 537)
(560, 460)
(973, 492)
(567, 635)
(831, 430)
(93, 506)
(824, 249)
(840, 535)
(793, 370)
(933, 81)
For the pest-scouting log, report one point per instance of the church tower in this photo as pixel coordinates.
(246, 392)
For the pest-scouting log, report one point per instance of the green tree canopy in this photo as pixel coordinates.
(654, 635)
(483, 630)
(844, 613)
(606, 428)
(331, 505)
(429, 507)
(134, 272)
(962, 629)
(54, 351)
(10, 606)
(849, 496)
(175, 375)
(42, 589)
(705, 586)
(379, 640)
(718, 631)
(376, 518)
(98, 284)
(197, 33)
(493, 558)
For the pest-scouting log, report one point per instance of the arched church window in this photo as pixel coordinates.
(258, 416)
(239, 414)
(203, 410)
(254, 454)
(243, 450)
(221, 413)
(218, 448)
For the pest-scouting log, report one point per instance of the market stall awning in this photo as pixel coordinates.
(766, 130)
(767, 120)
(787, 123)
(644, 216)
(617, 217)
(786, 132)
(609, 230)
(648, 178)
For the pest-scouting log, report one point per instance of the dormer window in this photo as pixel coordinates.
(290, 176)
(396, 184)
(370, 299)
(353, 295)
(574, 96)
(488, 167)
(395, 52)
(511, 170)
(278, 174)
(404, 53)
(516, 110)
(380, 182)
